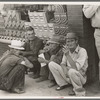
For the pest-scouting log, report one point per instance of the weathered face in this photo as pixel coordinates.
(16, 51)
(11, 49)
(50, 46)
(30, 34)
(46, 48)
(53, 45)
(71, 43)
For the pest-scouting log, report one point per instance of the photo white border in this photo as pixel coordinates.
(50, 2)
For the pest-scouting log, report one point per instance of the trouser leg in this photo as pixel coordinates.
(58, 73)
(36, 68)
(44, 72)
(19, 81)
(15, 79)
(97, 43)
(77, 80)
(50, 77)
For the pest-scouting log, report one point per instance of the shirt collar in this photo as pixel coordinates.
(33, 39)
(77, 49)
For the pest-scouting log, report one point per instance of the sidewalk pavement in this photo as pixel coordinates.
(41, 90)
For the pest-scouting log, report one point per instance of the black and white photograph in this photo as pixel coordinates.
(49, 50)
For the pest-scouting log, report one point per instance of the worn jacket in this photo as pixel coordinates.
(32, 49)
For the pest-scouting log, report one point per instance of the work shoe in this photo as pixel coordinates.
(62, 87)
(41, 79)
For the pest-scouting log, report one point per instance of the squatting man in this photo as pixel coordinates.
(72, 69)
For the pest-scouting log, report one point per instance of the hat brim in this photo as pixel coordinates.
(53, 42)
(70, 38)
(19, 48)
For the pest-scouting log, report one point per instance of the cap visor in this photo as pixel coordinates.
(52, 42)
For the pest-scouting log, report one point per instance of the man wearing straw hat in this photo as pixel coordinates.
(12, 69)
(72, 69)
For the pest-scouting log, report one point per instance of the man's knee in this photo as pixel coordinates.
(51, 65)
(54, 66)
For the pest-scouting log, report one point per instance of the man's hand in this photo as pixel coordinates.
(20, 53)
(27, 63)
(63, 66)
(23, 53)
(65, 50)
(52, 57)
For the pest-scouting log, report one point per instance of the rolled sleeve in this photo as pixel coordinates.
(80, 62)
(89, 10)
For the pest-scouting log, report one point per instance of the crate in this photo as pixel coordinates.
(37, 17)
(44, 30)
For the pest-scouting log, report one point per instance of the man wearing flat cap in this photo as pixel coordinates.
(32, 47)
(72, 69)
(52, 52)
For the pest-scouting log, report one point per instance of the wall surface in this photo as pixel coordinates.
(75, 19)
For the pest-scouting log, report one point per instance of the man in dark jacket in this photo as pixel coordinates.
(32, 47)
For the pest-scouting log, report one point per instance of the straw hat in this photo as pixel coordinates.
(16, 44)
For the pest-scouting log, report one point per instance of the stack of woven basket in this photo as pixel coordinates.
(14, 26)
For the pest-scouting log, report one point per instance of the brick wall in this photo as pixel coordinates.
(75, 20)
